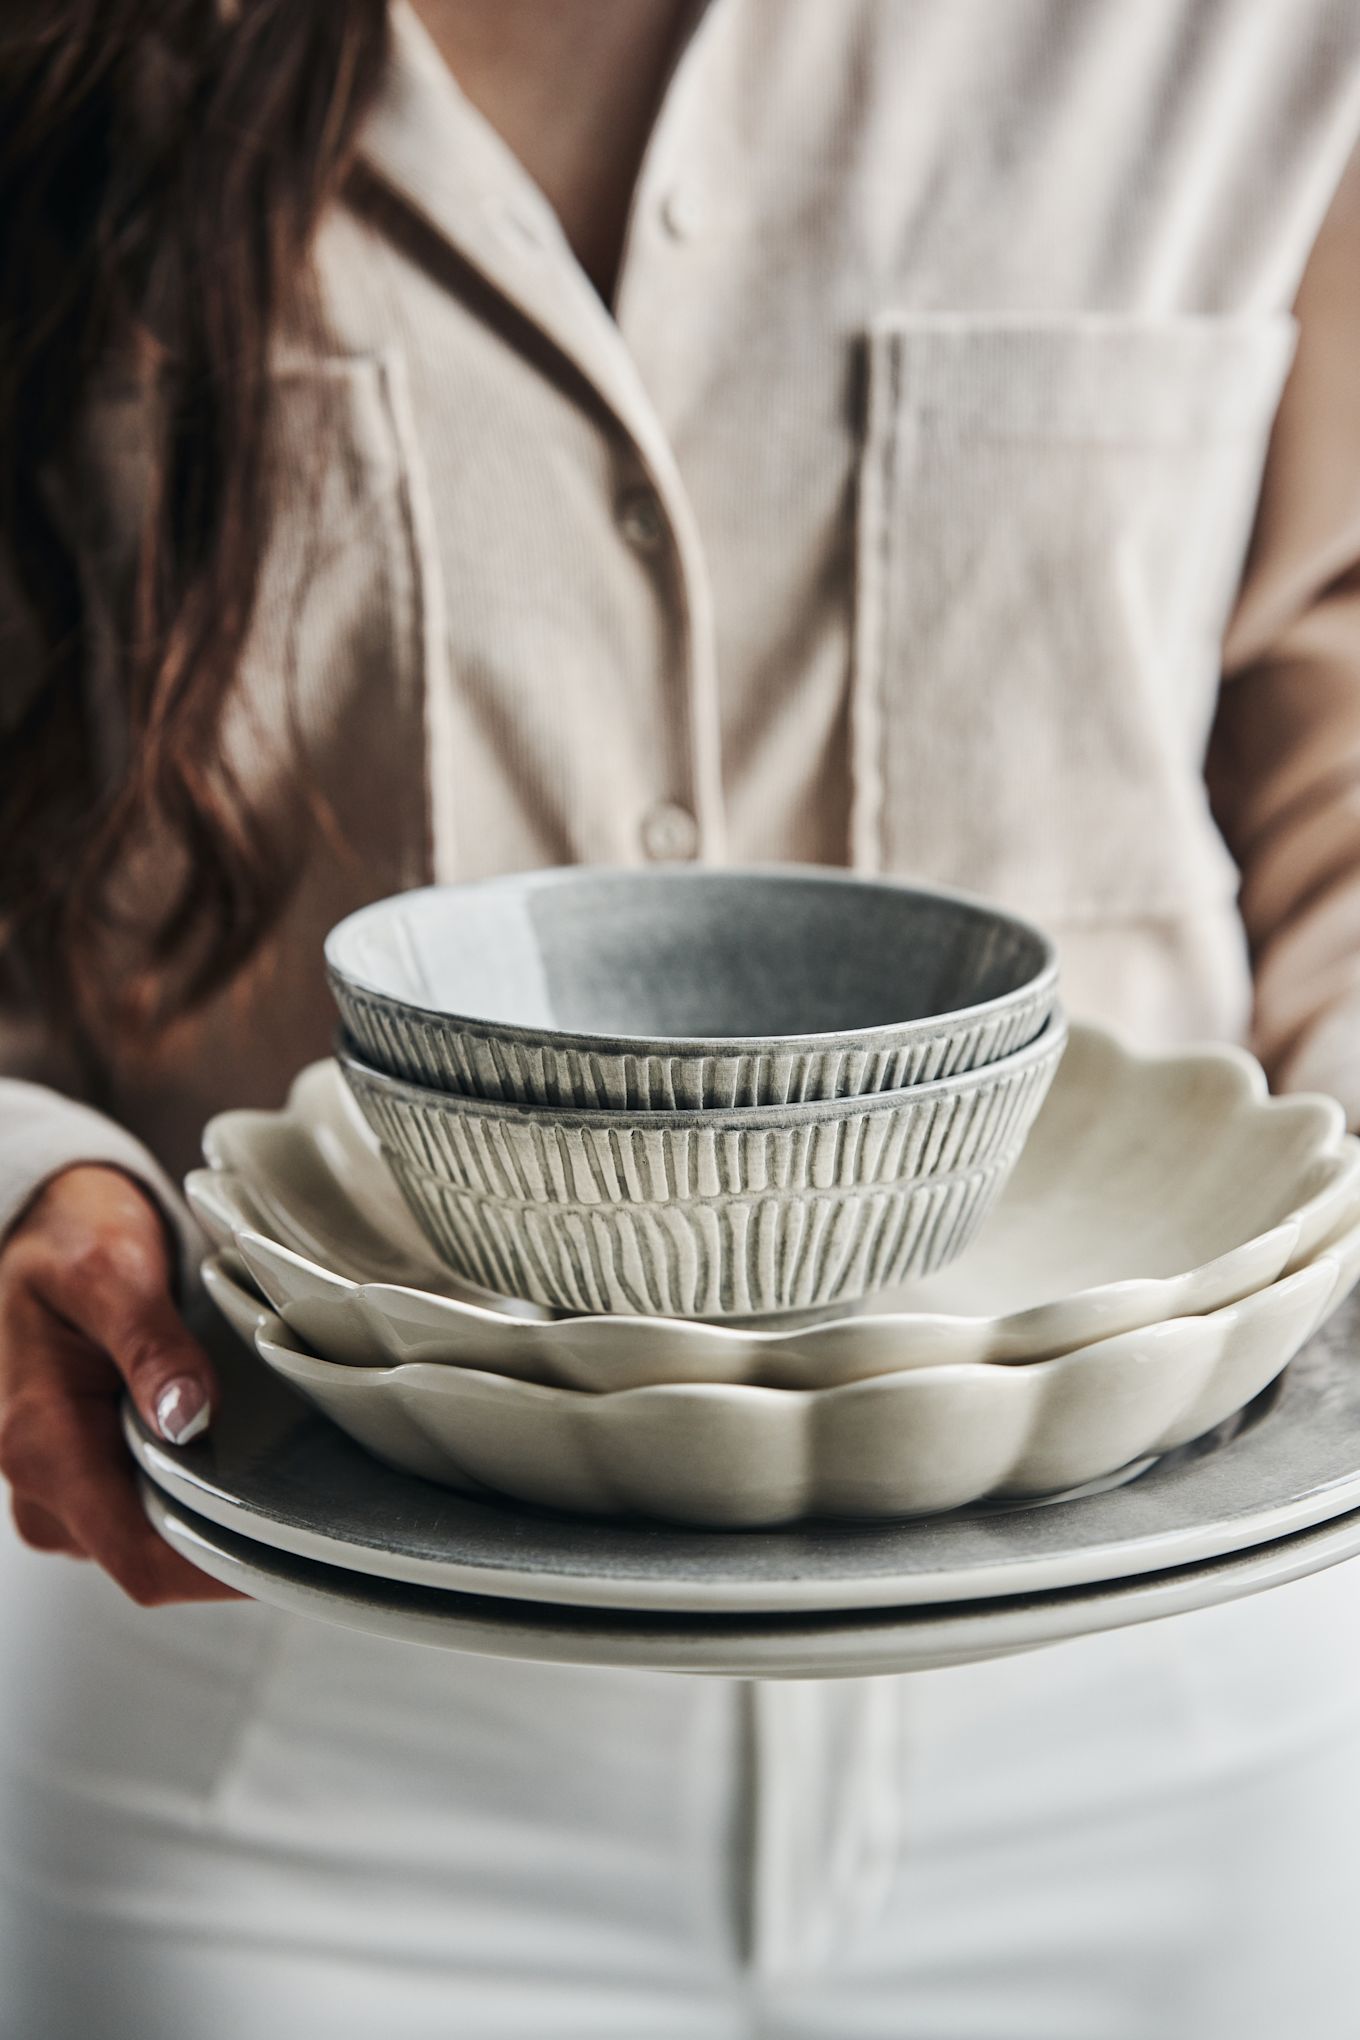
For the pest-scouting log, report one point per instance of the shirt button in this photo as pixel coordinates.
(670, 834)
(642, 520)
(682, 212)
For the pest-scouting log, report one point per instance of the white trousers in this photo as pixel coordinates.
(222, 1822)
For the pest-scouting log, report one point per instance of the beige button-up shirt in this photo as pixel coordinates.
(897, 516)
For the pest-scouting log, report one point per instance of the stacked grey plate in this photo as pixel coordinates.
(695, 1094)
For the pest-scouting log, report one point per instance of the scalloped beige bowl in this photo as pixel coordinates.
(903, 1444)
(1151, 1187)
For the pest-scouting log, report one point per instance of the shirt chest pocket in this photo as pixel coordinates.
(1052, 522)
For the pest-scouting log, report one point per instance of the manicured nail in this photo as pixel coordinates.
(181, 1410)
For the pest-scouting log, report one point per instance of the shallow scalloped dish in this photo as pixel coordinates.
(914, 1443)
(1151, 1187)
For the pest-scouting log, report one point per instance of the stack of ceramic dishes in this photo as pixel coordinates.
(655, 1203)
(1163, 1245)
(1168, 1241)
(695, 1094)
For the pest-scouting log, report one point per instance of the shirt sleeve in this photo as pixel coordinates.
(45, 1127)
(1284, 759)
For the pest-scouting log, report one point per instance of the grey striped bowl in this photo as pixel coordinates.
(749, 1210)
(555, 1155)
(686, 989)
(724, 1256)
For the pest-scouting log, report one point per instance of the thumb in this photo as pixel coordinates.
(121, 1302)
(169, 1376)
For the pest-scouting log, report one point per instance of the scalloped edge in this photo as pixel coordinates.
(785, 1351)
(916, 1443)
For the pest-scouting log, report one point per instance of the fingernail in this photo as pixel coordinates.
(181, 1410)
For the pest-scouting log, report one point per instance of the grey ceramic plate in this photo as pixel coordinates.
(277, 1470)
(735, 1646)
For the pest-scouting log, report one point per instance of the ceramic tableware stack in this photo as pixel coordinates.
(1167, 1241)
(1164, 1241)
(1150, 1189)
(611, 1296)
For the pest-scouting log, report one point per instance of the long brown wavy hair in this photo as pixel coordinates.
(163, 166)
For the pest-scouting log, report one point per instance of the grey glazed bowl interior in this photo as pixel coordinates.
(686, 988)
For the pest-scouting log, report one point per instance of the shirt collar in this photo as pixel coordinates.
(427, 143)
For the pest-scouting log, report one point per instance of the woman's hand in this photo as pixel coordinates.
(86, 1311)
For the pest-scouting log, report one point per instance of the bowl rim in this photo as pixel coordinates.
(926, 1027)
(1048, 1044)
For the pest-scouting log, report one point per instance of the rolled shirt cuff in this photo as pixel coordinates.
(42, 1133)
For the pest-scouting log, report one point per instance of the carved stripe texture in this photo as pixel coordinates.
(546, 1161)
(475, 1065)
(731, 1256)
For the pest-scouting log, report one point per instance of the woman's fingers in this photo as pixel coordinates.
(85, 1309)
(98, 1259)
(169, 1376)
(75, 1490)
(42, 1530)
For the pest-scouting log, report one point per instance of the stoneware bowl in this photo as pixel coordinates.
(707, 1214)
(1152, 1186)
(686, 989)
(904, 1444)
(720, 1257)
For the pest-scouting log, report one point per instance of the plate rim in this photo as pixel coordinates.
(181, 1473)
(862, 1643)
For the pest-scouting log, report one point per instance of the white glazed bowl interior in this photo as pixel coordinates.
(686, 986)
(1168, 1212)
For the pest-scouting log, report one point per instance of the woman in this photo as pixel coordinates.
(523, 434)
